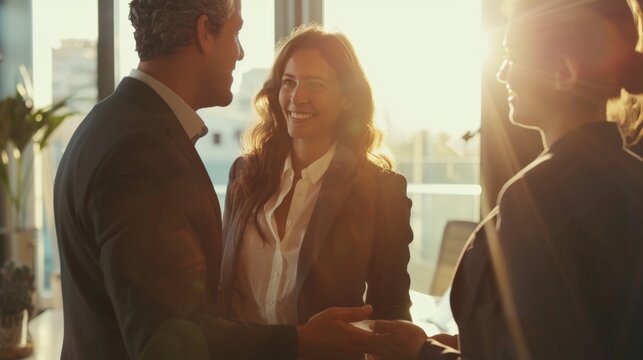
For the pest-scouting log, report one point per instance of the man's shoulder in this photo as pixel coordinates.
(119, 105)
(133, 108)
(119, 128)
(108, 122)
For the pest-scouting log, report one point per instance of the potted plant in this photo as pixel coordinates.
(16, 307)
(22, 126)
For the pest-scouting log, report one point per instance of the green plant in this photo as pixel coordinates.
(16, 292)
(22, 124)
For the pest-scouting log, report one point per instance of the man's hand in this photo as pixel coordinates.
(329, 332)
(404, 340)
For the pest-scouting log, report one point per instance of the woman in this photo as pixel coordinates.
(314, 216)
(556, 271)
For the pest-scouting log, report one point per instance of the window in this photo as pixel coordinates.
(257, 38)
(125, 46)
(64, 54)
(427, 95)
(426, 87)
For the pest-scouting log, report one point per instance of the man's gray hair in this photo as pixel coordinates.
(161, 27)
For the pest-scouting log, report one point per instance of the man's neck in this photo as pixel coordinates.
(172, 72)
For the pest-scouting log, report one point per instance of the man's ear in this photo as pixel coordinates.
(566, 75)
(204, 36)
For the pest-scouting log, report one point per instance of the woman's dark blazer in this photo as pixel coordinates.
(567, 239)
(358, 234)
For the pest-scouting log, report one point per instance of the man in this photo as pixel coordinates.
(137, 218)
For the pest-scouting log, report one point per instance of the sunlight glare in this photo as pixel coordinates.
(423, 59)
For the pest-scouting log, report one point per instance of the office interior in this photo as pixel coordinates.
(432, 66)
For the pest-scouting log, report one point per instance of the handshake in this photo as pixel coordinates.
(335, 333)
(344, 333)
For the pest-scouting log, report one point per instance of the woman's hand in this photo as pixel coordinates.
(404, 340)
(330, 335)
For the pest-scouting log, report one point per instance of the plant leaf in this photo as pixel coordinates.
(50, 109)
(4, 122)
(52, 123)
(26, 81)
(4, 176)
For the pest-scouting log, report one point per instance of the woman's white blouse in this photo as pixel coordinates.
(266, 273)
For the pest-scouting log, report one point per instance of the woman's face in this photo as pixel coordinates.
(311, 97)
(529, 79)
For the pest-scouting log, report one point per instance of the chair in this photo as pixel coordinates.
(455, 236)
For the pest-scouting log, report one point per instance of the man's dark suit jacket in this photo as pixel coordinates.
(567, 240)
(139, 231)
(359, 233)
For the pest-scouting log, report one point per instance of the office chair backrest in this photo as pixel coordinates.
(455, 235)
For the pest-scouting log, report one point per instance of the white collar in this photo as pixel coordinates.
(190, 121)
(315, 171)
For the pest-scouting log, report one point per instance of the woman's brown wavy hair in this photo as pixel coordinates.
(267, 143)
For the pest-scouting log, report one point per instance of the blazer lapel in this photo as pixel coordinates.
(189, 151)
(232, 233)
(337, 185)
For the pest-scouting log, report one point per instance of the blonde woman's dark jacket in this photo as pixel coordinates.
(566, 239)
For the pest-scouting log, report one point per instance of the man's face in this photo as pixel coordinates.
(227, 51)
